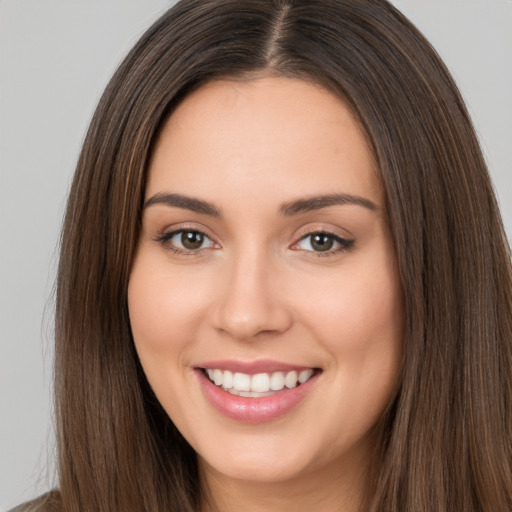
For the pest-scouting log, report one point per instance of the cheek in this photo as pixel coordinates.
(362, 329)
(156, 321)
(356, 311)
(163, 321)
(164, 306)
(359, 321)
(165, 311)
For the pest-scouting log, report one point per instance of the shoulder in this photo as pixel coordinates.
(49, 502)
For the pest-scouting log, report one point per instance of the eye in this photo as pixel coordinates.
(186, 240)
(323, 243)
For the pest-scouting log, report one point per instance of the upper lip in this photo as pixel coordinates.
(252, 367)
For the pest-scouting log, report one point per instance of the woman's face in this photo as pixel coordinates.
(266, 264)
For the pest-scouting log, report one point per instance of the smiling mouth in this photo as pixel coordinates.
(259, 384)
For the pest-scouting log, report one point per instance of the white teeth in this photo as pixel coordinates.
(290, 381)
(305, 375)
(260, 384)
(277, 381)
(228, 380)
(242, 382)
(250, 394)
(217, 377)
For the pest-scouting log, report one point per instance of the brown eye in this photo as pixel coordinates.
(322, 242)
(191, 240)
(186, 241)
(327, 243)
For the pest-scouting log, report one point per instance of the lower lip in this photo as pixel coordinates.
(254, 410)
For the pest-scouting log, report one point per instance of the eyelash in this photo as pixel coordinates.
(164, 240)
(344, 243)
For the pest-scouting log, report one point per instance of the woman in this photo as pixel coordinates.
(284, 283)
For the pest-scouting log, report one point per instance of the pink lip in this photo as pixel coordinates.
(251, 367)
(253, 410)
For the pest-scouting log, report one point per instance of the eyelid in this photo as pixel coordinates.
(345, 243)
(164, 237)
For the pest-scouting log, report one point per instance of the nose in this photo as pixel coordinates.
(252, 301)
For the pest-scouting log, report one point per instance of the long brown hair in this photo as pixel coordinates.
(445, 441)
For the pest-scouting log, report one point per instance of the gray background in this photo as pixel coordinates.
(55, 59)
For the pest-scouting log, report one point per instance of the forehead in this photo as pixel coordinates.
(263, 136)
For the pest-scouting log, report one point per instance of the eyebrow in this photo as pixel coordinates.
(287, 209)
(185, 202)
(318, 202)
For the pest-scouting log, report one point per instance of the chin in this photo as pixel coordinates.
(257, 469)
(260, 458)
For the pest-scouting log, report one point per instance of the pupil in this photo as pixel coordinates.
(322, 242)
(191, 239)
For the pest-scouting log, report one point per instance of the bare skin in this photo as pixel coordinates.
(273, 276)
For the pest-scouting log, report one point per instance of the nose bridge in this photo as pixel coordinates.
(250, 302)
